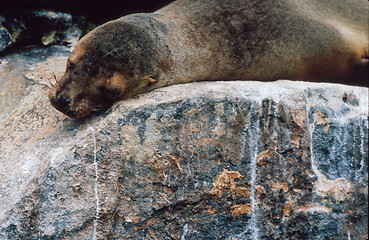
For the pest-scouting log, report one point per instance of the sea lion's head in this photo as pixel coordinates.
(113, 62)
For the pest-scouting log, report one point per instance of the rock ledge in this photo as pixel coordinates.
(209, 160)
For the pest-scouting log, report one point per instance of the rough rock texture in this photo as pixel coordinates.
(210, 160)
(20, 71)
(49, 22)
(44, 27)
(11, 31)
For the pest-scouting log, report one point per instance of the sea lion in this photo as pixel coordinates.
(194, 40)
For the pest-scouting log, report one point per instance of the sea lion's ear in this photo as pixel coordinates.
(149, 80)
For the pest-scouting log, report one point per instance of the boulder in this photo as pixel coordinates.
(206, 160)
(40, 27)
(50, 27)
(25, 22)
(5, 38)
(11, 31)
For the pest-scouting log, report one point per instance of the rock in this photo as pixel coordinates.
(5, 38)
(16, 28)
(48, 20)
(11, 31)
(25, 22)
(20, 71)
(209, 160)
(46, 27)
(53, 27)
(69, 37)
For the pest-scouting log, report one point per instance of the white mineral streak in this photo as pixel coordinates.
(348, 235)
(55, 154)
(313, 207)
(254, 226)
(339, 188)
(185, 230)
(97, 212)
(251, 130)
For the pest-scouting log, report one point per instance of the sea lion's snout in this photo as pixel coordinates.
(72, 109)
(72, 106)
(60, 100)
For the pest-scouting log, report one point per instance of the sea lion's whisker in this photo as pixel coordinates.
(56, 80)
(48, 79)
(52, 85)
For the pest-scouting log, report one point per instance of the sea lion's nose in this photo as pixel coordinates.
(65, 99)
(60, 101)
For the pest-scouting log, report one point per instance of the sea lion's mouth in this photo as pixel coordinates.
(79, 107)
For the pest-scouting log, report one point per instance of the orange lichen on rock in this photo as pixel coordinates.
(225, 182)
(318, 119)
(240, 209)
(259, 191)
(211, 210)
(288, 206)
(243, 191)
(299, 117)
(277, 185)
(260, 158)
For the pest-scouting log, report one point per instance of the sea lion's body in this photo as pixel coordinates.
(194, 40)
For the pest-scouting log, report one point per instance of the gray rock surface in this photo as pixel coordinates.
(209, 160)
(20, 71)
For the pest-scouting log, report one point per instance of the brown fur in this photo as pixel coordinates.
(194, 40)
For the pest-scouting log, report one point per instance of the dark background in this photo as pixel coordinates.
(26, 22)
(94, 11)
